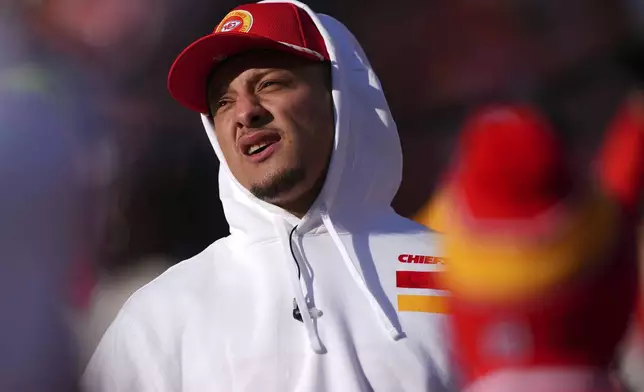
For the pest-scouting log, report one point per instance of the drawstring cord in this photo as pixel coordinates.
(315, 313)
(308, 317)
(394, 332)
(296, 309)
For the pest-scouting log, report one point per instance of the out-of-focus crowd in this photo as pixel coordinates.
(105, 182)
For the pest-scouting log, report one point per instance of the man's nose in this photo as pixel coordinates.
(250, 112)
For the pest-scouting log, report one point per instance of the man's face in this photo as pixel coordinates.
(273, 118)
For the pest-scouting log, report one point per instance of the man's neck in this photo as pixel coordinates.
(303, 204)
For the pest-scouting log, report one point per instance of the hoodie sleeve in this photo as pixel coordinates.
(128, 360)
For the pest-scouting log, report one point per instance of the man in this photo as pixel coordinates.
(320, 286)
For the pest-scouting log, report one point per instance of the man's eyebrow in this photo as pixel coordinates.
(221, 88)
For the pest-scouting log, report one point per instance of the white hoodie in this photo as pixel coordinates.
(222, 320)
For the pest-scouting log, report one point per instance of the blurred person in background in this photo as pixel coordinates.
(96, 44)
(542, 263)
(44, 230)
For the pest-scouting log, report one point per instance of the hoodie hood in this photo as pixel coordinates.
(366, 162)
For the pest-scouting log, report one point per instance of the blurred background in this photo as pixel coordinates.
(106, 182)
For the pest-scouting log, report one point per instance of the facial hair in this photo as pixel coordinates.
(277, 184)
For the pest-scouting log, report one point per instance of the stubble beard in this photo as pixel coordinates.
(278, 184)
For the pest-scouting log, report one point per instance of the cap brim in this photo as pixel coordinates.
(189, 73)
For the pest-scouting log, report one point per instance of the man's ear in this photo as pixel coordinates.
(620, 162)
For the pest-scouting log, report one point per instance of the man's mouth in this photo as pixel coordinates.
(257, 148)
(258, 145)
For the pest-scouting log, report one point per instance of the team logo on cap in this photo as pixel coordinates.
(238, 21)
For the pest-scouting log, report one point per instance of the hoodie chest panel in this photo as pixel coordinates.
(244, 338)
(350, 321)
(247, 339)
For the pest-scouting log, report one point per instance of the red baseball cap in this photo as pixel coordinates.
(279, 26)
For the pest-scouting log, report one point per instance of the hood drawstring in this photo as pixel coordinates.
(310, 315)
(315, 313)
(300, 307)
(394, 332)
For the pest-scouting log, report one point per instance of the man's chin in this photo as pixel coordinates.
(279, 188)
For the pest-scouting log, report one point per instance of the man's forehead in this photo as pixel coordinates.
(252, 64)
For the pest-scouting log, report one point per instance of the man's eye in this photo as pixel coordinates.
(222, 103)
(219, 106)
(268, 83)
